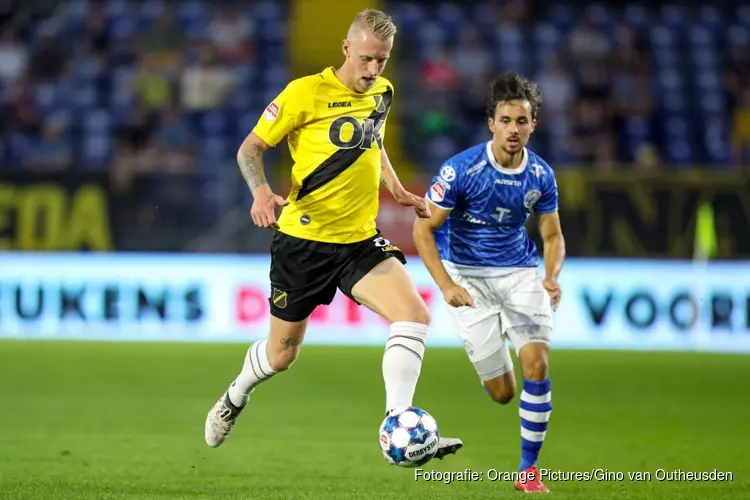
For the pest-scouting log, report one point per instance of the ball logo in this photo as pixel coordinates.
(447, 173)
(423, 450)
(531, 198)
(271, 112)
(437, 192)
(384, 440)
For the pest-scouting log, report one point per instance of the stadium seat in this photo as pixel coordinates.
(97, 150)
(635, 15)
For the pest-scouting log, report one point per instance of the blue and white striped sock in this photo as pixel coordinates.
(534, 410)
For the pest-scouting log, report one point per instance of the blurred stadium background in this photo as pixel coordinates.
(123, 216)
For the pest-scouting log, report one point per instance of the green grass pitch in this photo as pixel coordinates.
(106, 421)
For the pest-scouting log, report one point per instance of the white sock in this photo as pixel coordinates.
(402, 363)
(256, 369)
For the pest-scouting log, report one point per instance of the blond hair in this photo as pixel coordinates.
(377, 22)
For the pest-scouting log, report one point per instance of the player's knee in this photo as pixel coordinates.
(282, 360)
(416, 313)
(536, 368)
(422, 314)
(534, 358)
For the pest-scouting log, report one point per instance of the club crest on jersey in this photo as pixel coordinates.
(531, 198)
(437, 191)
(271, 112)
(447, 173)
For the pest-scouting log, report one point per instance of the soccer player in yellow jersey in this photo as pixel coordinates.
(326, 238)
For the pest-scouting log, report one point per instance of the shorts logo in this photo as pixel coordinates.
(437, 192)
(279, 298)
(469, 348)
(447, 173)
(531, 198)
(271, 112)
(381, 242)
(385, 245)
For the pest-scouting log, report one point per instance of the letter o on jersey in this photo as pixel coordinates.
(334, 132)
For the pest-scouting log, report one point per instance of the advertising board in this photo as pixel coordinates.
(607, 304)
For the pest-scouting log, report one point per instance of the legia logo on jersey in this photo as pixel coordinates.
(271, 112)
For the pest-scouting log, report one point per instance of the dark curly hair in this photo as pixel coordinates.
(511, 87)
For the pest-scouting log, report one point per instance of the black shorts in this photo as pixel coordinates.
(305, 273)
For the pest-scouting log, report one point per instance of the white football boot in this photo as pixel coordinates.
(220, 421)
(448, 446)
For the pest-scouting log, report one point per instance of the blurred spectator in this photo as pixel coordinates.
(591, 142)
(174, 141)
(231, 34)
(439, 72)
(205, 84)
(135, 134)
(97, 32)
(470, 58)
(13, 58)
(160, 43)
(509, 12)
(587, 45)
(48, 60)
(558, 94)
(736, 72)
(152, 86)
(51, 150)
(22, 108)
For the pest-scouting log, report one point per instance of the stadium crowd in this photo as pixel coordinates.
(174, 86)
(659, 86)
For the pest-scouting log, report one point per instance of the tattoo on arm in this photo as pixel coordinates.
(383, 180)
(251, 166)
(290, 342)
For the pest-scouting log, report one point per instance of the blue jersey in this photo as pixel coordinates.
(489, 207)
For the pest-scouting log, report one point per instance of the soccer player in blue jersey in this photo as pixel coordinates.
(478, 252)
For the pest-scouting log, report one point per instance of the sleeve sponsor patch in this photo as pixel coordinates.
(437, 192)
(271, 112)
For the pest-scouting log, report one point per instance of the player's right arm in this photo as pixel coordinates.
(424, 240)
(250, 160)
(290, 109)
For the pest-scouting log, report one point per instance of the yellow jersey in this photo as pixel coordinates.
(335, 136)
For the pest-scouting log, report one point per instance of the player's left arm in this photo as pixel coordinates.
(554, 243)
(391, 181)
(553, 240)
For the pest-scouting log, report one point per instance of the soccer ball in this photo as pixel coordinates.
(409, 437)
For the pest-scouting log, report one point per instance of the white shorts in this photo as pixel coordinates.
(513, 308)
